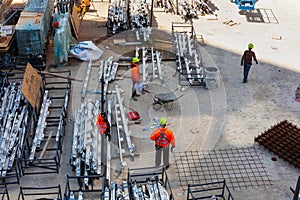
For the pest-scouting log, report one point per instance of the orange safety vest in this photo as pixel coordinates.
(135, 73)
(163, 137)
(101, 124)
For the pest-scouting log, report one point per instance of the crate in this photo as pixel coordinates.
(213, 190)
(143, 175)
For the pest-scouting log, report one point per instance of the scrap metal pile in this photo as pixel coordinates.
(14, 118)
(117, 20)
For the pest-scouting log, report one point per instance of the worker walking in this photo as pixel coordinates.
(103, 125)
(163, 137)
(247, 61)
(135, 77)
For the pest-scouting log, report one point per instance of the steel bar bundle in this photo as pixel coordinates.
(86, 152)
(139, 14)
(108, 70)
(13, 118)
(86, 80)
(122, 125)
(39, 131)
(117, 20)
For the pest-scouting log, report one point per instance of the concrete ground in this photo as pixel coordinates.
(228, 116)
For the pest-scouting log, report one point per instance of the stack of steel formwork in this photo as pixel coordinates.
(282, 139)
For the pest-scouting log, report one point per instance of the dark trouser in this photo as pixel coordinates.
(247, 67)
(133, 89)
(165, 152)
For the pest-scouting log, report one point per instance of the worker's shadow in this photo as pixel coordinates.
(260, 15)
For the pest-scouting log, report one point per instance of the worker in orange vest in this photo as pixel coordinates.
(163, 137)
(85, 6)
(135, 77)
(103, 125)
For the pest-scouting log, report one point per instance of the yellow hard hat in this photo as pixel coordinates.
(250, 46)
(162, 121)
(135, 59)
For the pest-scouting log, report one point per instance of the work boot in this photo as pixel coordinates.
(134, 98)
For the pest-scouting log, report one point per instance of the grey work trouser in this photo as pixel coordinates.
(165, 152)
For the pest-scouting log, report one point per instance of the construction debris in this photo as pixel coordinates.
(230, 22)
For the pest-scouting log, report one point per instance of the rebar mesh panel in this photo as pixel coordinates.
(283, 139)
(240, 167)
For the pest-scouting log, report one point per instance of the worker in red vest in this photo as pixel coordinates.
(135, 77)
(103, 125)
(163, 137)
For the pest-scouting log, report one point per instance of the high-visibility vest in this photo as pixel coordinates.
(101, 124)
(162, 140)
(135, 73)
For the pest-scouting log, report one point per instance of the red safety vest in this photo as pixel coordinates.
(102, 125)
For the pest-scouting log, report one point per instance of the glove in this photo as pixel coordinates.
(172, 148)
(256, 62)
(241, 64)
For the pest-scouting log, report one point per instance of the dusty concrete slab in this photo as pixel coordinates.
(229, 116)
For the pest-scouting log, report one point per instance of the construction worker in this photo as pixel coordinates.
(84, 7)
(247, 61)
(103, 125)
(135, 77)
(163, 137)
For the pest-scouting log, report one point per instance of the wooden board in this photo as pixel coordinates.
(75, 22)
(5, 45)
(31, 85)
